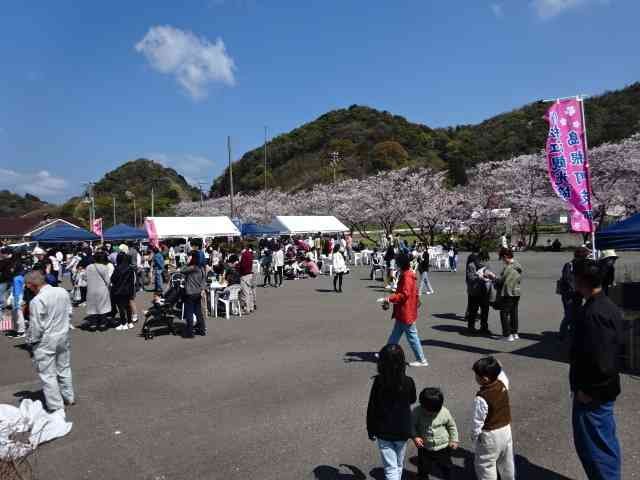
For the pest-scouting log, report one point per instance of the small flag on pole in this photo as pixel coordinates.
(97, 227)
(568, 162)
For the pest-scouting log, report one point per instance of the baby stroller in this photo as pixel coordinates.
(163, 312)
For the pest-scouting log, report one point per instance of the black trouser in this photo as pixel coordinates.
(83, 294)
(267, 277)
(509, 315)
(337, 281)
(428, 458)
(192, 306)
(278, 276)
(124, 309)
(474, 304)
(374, 268)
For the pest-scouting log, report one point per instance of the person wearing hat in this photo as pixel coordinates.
(6, 275)
(608, 269)
(566, 288)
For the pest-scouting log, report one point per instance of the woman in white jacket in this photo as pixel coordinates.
(339, 268)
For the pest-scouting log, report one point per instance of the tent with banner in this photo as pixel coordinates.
(258, 230)
(65, 234)
(191, 227)
(124, 232)
(624, 235)
(299, 225)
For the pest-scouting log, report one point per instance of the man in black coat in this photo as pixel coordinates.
(594, 377)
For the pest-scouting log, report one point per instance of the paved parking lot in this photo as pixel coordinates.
(282, 394)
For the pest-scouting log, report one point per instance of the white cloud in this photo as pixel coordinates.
(550, 8)
(41, 184)
(194, 168)
(195, 61)
(497, 10)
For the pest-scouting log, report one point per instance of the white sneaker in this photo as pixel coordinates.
(430, 293)
(424, 363)
(121, 328)
(130, 326)
(510, 338)
(134, 319)
(516, 336)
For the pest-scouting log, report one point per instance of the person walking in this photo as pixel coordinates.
(136, 265)
(6, 275)
(477, 296)
(98, 280)
(123, 284)
(339, 268)
(278, 266)
(245, 268)
(389, 257)
(405, 311)
(509, 285)
(158, 270)
(389, 410)
(195, 283)
(566, 288)
(49, 340)
(423, 270)
(594, 377)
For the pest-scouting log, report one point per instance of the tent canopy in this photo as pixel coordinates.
(624, 235)
(257, 230)
(124, 232)
(64, 234)
(199, 227)
(308, 224)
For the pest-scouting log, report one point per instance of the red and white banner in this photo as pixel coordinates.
(97, 227)
(152, 233)
(568, 162)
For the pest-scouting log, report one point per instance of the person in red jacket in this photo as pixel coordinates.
(405, 310)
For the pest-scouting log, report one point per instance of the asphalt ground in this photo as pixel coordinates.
(282, 393)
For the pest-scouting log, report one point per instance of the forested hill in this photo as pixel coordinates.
(129, 182)
(14, 205)
(370, 140)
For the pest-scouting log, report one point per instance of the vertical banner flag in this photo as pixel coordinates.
(97, 227)
(567, 161)
(152, 233)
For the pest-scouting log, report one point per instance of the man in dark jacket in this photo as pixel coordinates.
(594, 377)
(571, 299)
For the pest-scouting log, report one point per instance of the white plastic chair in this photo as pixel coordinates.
(357, 257)
(232, 302)
(381, 271)
(256, 267)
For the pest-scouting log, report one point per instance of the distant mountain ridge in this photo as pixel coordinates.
(14, 205)
(131, 182)
(370, 140)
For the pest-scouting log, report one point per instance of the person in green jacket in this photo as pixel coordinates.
(509, 288)
(435, 434)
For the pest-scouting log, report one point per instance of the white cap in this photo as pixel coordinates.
(38, 251)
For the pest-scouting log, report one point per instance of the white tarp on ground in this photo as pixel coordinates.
(34, 422)
(199, 227)
(308, 224)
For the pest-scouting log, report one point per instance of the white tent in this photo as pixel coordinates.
(199, 227)
(308, 224)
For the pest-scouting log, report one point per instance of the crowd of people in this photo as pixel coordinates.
(105, 281)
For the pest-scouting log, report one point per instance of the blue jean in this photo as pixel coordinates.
(157, 275)
(412, 337)
(392, 454)
(594, 435)
(4, 290)
(453, 263)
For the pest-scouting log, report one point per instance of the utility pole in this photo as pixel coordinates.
(265, 175)
(152, 200)
(200, 184)
(334, 163)
(114, 208)
(154, 181)
(230, 175)
(92, 204)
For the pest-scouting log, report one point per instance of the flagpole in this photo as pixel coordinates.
(580, 99)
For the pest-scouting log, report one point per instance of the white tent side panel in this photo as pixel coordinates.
(308, 224)
(181, 227)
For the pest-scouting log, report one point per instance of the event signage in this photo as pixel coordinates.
(152, 233)
(97, 227)
(567, 160)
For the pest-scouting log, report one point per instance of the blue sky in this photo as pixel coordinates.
(86, 86)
